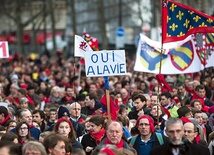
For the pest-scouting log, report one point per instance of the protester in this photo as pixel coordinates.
(95, 135)
(139, 104)
(33, 147)
(146, 139)
(177, 144)
(64, 127)
(114, 135)
(4, 116)
(56, 145)
(25, 115)
(23, 132)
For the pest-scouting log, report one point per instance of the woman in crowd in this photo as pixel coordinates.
(87, 128)
(161, 115)
(55, 144)
(198, 104)
(23, 132)
(55, 95)
(33, 147)
(64, 127)
(96, 134)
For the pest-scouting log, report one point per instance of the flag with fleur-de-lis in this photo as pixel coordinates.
(180, 21)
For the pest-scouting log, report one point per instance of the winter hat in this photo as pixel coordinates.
(3, 110)
(151, 122)
(182, 111)
(63, 112)
(63, 120)
(14, 77)
(97, 105)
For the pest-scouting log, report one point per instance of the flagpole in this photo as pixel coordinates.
(158, 100)
(106, 82)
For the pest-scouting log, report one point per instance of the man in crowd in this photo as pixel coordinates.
(147, 139)
(75, 110)
(168, 104)
(201, 94)
(197, 115)
(114, 135)
(91, 102)
(69, 95)
(177, 145)
(139, 104)
(39, 116)
(26, 115)
(182, 93)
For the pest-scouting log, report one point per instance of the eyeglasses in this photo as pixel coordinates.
(24, 128)
(144, 124)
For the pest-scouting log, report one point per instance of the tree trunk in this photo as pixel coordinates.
(19, 30)
(102, 23)
(53, 26)
(73, 16)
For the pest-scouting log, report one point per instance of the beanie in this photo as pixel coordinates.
(14, 77)
(63, 120)
(97, 105)
(3, 110)
(63, 112)
(182, 111)
(151, 122)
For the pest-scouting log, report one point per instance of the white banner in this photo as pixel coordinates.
(80, 46)
(105, 63)
(4, 49)
(178, 58)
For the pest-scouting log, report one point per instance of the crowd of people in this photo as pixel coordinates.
(48, 106)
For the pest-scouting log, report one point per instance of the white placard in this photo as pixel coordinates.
(105, 63)
(4, 50)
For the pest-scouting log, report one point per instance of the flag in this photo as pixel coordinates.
(113, 106)
(163, 83)
(180, 21)
(80, 46)
(92, 41)
(178, 57)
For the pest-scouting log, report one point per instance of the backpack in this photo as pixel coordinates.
(159, 136)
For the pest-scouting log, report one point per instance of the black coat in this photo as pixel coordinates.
(87, 140)
(187, 148)
(133, 113)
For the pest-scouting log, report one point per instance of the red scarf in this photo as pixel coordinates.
(6, 118)
(98, 136)
(21, 142)
(119, 145)
(31, 125)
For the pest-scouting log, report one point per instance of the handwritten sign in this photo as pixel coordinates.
(105, 63)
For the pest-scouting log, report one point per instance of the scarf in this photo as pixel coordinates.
(22, 142)
(108, 151)
(6, 118)
(119, 145)
(98, 136)
(31, 125)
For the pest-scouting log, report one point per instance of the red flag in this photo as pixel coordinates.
(162, 82)
(113, 107)
(180, 21)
